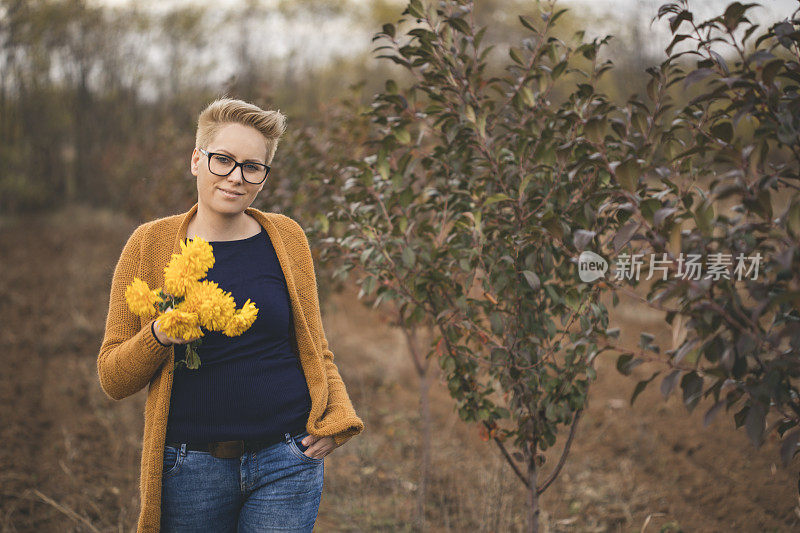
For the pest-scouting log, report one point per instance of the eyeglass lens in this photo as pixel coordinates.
(222, 166)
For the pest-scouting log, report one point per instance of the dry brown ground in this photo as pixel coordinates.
(70, 456)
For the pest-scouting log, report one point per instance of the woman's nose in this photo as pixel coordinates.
(237, 175)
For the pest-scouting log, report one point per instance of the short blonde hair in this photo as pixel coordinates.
(271, 124)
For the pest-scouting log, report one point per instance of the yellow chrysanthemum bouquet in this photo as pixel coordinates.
(190, 302)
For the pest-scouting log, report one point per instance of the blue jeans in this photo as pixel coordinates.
(277, 488)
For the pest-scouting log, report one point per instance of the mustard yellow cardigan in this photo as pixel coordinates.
(130, 357)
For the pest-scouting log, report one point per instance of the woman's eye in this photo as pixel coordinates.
(251, 168)
(222, 159)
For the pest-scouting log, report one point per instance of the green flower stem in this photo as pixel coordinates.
(192, 359)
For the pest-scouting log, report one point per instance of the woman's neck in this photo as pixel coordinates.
(212, 227)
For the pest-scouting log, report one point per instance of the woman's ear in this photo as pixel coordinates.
(194, 162)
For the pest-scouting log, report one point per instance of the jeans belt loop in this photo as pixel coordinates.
(183, 449)
(288, 438)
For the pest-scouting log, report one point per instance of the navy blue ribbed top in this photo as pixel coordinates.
(251, 386)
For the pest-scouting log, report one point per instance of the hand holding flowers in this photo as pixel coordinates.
(190, 304)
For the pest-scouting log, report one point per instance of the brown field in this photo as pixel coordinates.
(70, 456)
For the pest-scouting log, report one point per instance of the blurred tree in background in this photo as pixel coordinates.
(98, 104)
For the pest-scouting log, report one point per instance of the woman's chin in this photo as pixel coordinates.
(226, 205)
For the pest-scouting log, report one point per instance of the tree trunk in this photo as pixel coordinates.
(425, 412)
(76, 181)
(533, 517)
(421, 368)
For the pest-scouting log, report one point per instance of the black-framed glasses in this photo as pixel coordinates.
(223, 165)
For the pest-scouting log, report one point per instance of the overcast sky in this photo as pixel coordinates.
(701, 7)
(313, 41)
(613, 15)
(614, 10)
(343, 34)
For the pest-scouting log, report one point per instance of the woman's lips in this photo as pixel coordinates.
(229, 194)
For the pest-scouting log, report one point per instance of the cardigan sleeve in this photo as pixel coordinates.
(129, 354)
(339, 407)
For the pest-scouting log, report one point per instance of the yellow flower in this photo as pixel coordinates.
(241, 320)
(179, 275)
(141, 300)
(249, 311)
(179, 324)
(187, 267)
(213, 306)
(199, 255)
(236, 326)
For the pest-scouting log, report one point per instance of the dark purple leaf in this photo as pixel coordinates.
(789, 446)
(712, 413)
(760, 56)
(669, 382)
(460, 24)
(692, 386)
(723, 131)
(683, 350)
(527, 23)
(641, 386)
(388, 29)
(755, 422)
(720, 61)
(582, 238)
(626, 363)
(678, 38)
(661, 214)
(532, 279)
(624, 235)
(733, 14)
(675, 21)
(696, 75)
(771, 69)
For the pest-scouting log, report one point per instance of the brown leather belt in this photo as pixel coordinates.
(229, 449)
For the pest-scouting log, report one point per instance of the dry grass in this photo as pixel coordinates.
(71, 455)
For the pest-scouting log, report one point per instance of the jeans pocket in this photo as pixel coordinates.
(299, 449)
(172, 460)
(299, 437)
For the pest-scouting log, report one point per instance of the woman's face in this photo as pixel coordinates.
(242, 143)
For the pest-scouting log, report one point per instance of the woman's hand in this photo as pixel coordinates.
(318, 447)
(166, 339)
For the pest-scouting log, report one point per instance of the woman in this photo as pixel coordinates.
(239, 443)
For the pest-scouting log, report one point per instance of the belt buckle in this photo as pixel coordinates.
(228, 449)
